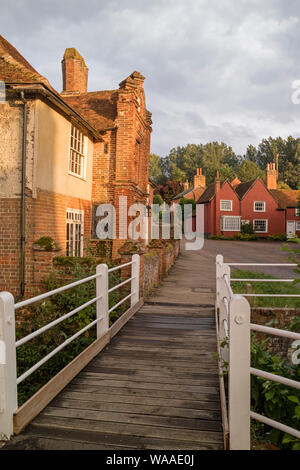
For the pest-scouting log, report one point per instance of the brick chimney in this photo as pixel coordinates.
(186, 185)
(217, 182)
(199, 179)
(271, 176)
(75, 72)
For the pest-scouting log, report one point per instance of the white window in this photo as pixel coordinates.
(78, 147)
(74, 236)
(260, 225)
(298, 226)
(225, 205)
(259, 206)
(297, 212)
(230, 224)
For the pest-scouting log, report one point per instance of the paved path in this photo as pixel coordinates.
(155, 386)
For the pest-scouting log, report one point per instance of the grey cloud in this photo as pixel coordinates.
(214, 70)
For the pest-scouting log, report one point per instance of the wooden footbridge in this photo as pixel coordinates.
(152, 380)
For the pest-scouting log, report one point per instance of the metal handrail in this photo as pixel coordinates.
(55, 351)
(55, 322)
(274, 331)
(24, 303)
(263, 329)
(261, 280)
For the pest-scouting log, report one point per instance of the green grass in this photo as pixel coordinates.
(267, 288)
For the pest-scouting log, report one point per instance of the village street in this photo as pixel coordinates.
(194, 278)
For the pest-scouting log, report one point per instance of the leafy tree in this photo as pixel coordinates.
(249, 170)
(157, 199)
(184, 201)
(156, 169)
(169, 190)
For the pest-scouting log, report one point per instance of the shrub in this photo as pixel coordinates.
(247, 228)
(39, 314)
(272, 399)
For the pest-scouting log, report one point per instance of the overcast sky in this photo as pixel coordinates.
(215, 69)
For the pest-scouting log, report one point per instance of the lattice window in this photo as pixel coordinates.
(225, 205)
(74, 236)
(259, 206)
(230, 224)
(260, 225)
(77, 153)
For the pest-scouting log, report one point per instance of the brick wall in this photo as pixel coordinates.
(282, 317)
(45, 216)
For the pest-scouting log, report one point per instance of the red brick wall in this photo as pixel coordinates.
(258, 192)
(45, 216)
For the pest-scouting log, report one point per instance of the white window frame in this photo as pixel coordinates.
(260, 220)
(225, 221)
(297, 212)
(78, 151)
(225, 201)
(74, 217)
(259, 210)
(297, 226)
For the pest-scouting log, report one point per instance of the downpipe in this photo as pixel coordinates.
(23, 198)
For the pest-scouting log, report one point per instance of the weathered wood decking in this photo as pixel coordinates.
(155, 386)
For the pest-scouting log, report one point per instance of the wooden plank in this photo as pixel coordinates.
(143, 384)
(135, 408)
(144, 364)
(201, 381)
(42, 397)
(172, 319)
(174, 343)
(85, 395)
(118, 441)
(125, 318)
(144, 392)
(129, 429)
(151, 372)
(134, 418)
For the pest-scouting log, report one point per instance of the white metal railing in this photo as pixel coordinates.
(233, 332)
(8, 344)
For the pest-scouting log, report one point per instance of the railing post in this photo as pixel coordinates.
(8, 367)
(135, 283)
(102, 303)
(219, 264)
(239, 373)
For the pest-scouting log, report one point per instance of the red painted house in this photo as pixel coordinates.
(270, 210)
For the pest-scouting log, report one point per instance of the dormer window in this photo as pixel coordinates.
(225, 205)
(78, 153)
(259, 206)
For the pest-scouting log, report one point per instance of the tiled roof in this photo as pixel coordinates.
(14, 68)
(180, 195)
(207, 195)
(242, 188)
(286, 197)
(99, 107)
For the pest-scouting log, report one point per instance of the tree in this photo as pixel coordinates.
(156, 169)
(169, 190)
(248, 171)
